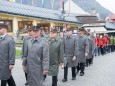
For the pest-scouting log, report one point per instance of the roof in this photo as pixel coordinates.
(87, 19)
(110, 25)
(74, 8)
(111, 17)
(99, 29)
(35, 12)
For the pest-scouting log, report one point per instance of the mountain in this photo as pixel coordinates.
(86, 5)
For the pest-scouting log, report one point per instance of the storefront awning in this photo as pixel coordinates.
(97, 29)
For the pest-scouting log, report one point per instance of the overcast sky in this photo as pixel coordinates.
(109, 4)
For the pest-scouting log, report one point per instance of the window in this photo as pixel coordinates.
(45, 26)
(8, 23)
(24, 24)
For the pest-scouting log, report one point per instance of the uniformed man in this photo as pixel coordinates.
(70, 59)
(56, 52)
(83, 50)
(37, 58)
(7, 57)
(45, 36)
(24, 49)
(89, 58)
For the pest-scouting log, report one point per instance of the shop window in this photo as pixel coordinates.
(60, 28)
(24, 24)
(45, 26)
(8, 23)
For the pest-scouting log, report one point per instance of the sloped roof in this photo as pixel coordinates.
(110, 25)
(111, 17)
(35, 12)
(74, 8)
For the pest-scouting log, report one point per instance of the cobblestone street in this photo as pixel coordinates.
(101, 73)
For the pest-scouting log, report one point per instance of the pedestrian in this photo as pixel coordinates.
(109, 45)
(112, 43)
(37, 58)
(83, 50)
(70, 59)
(106, 40)
(24, 49)
(89, 58)
(7, 57)
(56, 53)
(101, 45)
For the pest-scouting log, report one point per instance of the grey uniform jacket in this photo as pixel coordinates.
(24, 48)
(83, 47)
(70, 50)
(91, 48)
(37, 61)
(7, 56)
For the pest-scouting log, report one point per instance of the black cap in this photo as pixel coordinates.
(3, 26)
(36, 28)
(55, 30)
(81, 29)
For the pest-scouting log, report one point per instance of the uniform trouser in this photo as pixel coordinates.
(45, 77)
(81, 67)
(26, 76)
(73, 69)
(54, 80)
(10, 82)
(89, 61)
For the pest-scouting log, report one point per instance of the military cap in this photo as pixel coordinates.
(68, 29)
(81, 29)
(36, 28)
(3, 26)
(55, 30)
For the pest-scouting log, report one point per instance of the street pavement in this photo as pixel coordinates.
(101, 73)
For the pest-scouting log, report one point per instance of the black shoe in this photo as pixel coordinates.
(81, 74)
(74, 78)
(64, 80)
(26, 83)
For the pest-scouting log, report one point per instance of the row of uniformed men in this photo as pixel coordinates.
(41, 56)
(45, 54)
